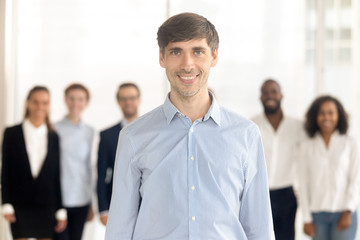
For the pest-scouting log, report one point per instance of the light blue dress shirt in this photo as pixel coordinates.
(75, 163)
(203, 180)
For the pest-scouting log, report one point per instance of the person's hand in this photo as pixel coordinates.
(90, 215)
(344, 221)
(10, 217)
(103, 219)
(60, 226)
(309, 229)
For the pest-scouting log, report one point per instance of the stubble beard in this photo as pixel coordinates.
(186, 94)
(130, 115)
(272, 110)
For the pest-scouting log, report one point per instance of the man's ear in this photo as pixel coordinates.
(214, 58)
(161, 58)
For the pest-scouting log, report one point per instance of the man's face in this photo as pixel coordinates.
(188, 65)
(129, 100)
(76, 101)
(271, 97)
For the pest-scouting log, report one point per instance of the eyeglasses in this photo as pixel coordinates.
(130, 99)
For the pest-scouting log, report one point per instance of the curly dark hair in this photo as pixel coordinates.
(311, 126)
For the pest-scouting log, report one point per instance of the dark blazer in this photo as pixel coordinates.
(105, 165)
(18, 185)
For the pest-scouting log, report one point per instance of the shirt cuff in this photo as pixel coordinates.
(104, 213)
(351, 205)
(7, 208)
(307, 218)
(61, 214)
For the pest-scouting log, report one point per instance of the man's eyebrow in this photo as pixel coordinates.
(198, 48)
(174, 49)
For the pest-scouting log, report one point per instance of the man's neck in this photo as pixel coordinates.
(194, 107)
(75, 119)
(275, 119)
(130, 119)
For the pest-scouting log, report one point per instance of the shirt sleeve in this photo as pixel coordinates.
(352, 192)
(5, 168)
(90, 166)
(102, 166)
(7, 208)
(255, 211)
(304, 187)
(61, 214)
(294, 157)
(57, 183)
(125, 198)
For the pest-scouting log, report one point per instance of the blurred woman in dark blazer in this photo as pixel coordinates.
(30, 173)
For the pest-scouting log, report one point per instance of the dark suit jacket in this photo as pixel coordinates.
(18, 185)
(105, 165)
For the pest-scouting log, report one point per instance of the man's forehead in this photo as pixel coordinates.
(192, 43)
(270, 85)
(127, 90)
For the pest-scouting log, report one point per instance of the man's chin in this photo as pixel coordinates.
(129, 116)
(271, 110)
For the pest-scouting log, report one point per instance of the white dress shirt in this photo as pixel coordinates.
(280, 149)
(329, 176)
(36, 141)
(36, 145)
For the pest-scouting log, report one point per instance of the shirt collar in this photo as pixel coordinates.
(67, 121)
(335, 134)
(169, 109)
(42, 129)
(214, 111)
(268, 124)
(124, 122)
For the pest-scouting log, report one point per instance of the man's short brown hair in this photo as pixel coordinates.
(78, 86)
(126, 85)
(187, 26)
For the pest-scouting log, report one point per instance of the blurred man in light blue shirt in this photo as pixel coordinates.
(198, 169)
(76, 139)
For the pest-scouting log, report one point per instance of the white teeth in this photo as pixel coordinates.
(188, 78)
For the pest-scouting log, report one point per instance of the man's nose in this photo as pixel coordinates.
(187, 62)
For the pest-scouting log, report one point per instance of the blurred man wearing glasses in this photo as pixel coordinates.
(128, 98)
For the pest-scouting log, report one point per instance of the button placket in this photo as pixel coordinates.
(192, 179)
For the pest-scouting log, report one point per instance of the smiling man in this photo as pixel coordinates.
(189, 169)
(281, 135)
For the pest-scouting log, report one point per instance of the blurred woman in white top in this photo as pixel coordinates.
(76, 140)
(329, 173)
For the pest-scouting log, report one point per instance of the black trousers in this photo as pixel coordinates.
(75, 225)
(283, 206)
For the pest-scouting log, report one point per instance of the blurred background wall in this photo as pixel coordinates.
(311, 47)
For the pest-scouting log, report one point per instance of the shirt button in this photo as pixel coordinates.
(192, 158)
(191, 129)
(193, 188)
(193, 218)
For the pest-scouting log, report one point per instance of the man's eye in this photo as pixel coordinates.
(198, 52)
(174, 53)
